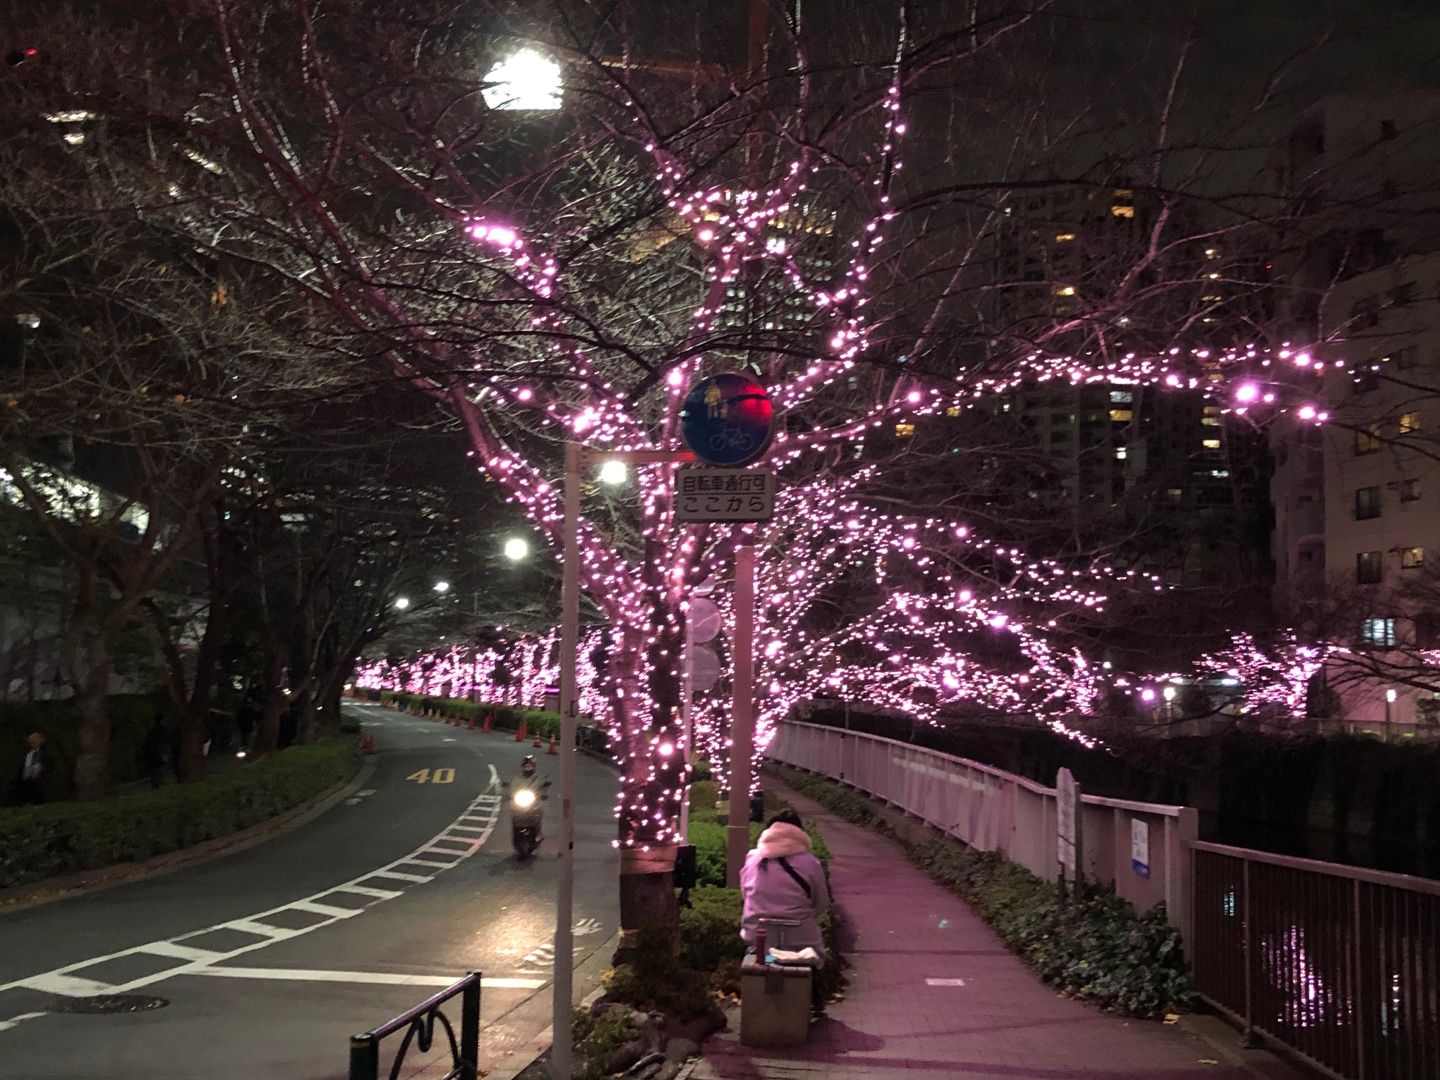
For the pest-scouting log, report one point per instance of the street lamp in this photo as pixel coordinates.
(442, 586)
(517, 548)
(613, 472)
(1389, 701)
(401, 603)
(525, 80)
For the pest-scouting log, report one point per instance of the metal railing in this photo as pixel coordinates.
(419, 1024)
(1339, 964)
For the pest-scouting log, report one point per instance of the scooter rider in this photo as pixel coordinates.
(526, 815)
(529, 776)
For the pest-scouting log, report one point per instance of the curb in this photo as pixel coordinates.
(36, 893)
(540, 1045)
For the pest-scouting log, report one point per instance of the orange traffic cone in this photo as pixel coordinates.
(368, 743)
(489, 722)
(554, 746)
(537, 742)
(520, 732)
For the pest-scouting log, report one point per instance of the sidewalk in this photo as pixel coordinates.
(933, 993)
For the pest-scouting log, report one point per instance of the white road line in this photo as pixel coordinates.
(363, 890)
(429, 862)
(64, 980)
(56, 982)
(6, 1025)
(180, 952)
(382, 978)
(326, 909)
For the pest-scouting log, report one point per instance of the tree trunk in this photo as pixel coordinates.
(267, 734)
(92, 702)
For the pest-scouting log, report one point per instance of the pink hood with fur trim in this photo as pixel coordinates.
(770, 893)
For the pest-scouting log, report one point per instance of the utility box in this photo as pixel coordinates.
(774, 1003)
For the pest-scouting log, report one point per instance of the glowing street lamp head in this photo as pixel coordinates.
(401, 603)
(613, 472)
(1168, 693)
(442, 586)
(525, 80)
(516, 548)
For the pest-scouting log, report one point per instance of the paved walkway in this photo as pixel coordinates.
(933, 993)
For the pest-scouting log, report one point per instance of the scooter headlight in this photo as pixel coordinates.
(524, 799)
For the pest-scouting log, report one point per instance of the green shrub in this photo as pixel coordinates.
(703, 797)
(710, 928)
(709, 838)
(652, 981)
(58, 838)
(596, 1038)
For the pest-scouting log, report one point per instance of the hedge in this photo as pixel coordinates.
(540, 722)
(38, 842)
(130, 718)
(1098, 949)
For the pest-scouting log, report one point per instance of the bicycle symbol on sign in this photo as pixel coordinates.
(731, 439)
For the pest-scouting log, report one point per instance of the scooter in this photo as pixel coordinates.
(526, 814)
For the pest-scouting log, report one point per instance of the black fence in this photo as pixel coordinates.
(419, 1025)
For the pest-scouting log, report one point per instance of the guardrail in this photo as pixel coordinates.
(993, 810)
(1340, 964)
(419, 1024)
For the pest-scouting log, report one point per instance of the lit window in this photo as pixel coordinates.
(1212, 298)
(1220, 474)
(1064, 290)
(1211, 254)
(904, 430)
(1214, 275)
(1368, 568)
(1409, 490)
(1210, 421)
(1378, 631)
(1121, 453)
(1367, 439)
(1409, 423)
(1210, 444)
(1121, 416)
(1122, 211)
(1064, 237)
(953, 410)
(1367, 503)
(1412, 558)
(1121, 397)
(1175, 494)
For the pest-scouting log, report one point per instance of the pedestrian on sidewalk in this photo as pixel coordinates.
(782, 883)
(155, 751)
(34, 771)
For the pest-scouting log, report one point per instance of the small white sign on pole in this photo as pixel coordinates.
(1067, 822)
(712, 495)
(1140, 846)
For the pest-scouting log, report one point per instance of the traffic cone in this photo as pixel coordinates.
(537, 742)
(520, 732)
(554, 746)
(368, 743)
(489, 721)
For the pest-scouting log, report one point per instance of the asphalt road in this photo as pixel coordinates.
(270, 958)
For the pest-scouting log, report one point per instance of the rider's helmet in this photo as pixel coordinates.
(527, 767)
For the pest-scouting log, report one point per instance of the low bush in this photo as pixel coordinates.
(710, 928)
(653, 982)
(37, 842)
(596, 1038)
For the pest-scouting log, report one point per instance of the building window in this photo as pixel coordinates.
(1064, 237)
(1367, 503)
(1412, 558)
(1121, 453)
(1409, 490)
(1367, 439)
(1378, 632)
(1121, 416)
(1368, 568)
(1366, 378)
(1210, 444)
(1122, 397)
(1409, 423)
(1064, 290)
(904, 430)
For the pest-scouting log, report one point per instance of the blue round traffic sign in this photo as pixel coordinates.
(726, 419)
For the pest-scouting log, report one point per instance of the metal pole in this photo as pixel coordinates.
(742, 721)
(364, 1057)
(687, 718)
(565, 891)
(470, 1027)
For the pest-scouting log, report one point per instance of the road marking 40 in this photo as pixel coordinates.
(433, 776)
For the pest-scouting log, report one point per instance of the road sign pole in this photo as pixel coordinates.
(687, 717)
(742, 720)
(564, 983)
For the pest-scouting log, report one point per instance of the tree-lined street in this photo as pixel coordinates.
(353, 917)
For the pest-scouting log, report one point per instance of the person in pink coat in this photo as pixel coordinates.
(782, 881)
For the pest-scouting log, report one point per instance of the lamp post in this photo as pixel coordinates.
(1169, 694)
(1389, 703)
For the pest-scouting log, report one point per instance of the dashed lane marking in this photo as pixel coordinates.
(71, 981)
(382, 978)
